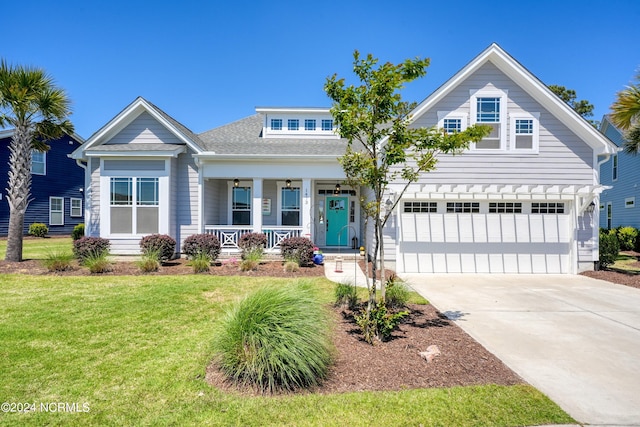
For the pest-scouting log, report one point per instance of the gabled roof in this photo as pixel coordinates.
(530, 84)
(611, 131)
(244, 138)
(125, 117)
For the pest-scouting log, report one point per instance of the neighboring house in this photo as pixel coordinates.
(519, 201)
(622, 174)
(56, 189)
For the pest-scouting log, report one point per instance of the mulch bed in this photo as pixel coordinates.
(174, 267)
(396, 364)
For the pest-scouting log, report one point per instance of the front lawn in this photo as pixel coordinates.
(39, 248)
(133, 351)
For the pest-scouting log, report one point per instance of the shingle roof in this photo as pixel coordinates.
(245, 137)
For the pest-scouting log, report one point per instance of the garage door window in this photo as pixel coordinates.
(463, 207)
(547, 208)
(420, 207)
(505, 207)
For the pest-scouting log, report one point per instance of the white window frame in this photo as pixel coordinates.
(71, 208)
(609, 215)
(248, 184)
(327, 125)
(535, 118)
(293, 125)
(105, 202)
(51, 211)
(489, 93)
(277, 122)
(445, 115)
(310, 125)
(630, 202)
(282, 185)
(44, 162)
(615, 167)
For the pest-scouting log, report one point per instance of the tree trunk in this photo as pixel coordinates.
(383, 278)
(18, 189)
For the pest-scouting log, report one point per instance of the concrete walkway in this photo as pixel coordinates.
(350, 273)
(574, 338)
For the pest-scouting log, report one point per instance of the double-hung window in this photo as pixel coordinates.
(75, 210)
(56, 211)
(241, 205)
(489, 108)
(524, 132)
(290, 211)
(38, 163)
(452, 122)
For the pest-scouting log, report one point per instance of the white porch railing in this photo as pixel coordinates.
(229, 235)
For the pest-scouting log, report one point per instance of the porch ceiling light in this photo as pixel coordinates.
(288, 183)
(236, 182)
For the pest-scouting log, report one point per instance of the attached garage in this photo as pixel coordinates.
(439, 236)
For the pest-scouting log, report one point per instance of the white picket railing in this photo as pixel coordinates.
(229, 235)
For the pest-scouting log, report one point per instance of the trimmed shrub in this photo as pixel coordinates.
(250, 243)
(86, 247)
(38, 229)
(197, 244)
(609, 247)
(299, 249)
(277, 338)
(346, 294)
(396, 294)
(627, 238)
(162, 244)
(78, 232)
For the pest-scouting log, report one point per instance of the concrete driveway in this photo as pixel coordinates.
(574, 338)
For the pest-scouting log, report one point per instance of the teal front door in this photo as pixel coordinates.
(337, 220)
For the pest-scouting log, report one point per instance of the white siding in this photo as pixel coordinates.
(94, 198)
(144, 129)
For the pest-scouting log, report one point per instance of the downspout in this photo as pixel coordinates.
(595, 228)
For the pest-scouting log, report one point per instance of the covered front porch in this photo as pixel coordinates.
(325, 211)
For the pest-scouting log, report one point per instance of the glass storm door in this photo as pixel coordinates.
(337, 219)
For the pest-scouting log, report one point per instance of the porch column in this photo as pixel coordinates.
(256, 205)
(306, 208)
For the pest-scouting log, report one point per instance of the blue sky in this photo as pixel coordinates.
(208, 63)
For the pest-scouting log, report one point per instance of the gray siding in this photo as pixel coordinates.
(562, 159)
(144, 129)
(93, 228)
(185, 192)
(586, 244)
(270, 191)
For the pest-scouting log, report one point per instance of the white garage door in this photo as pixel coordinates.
(484, 237)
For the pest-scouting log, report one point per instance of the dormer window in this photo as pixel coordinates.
(327, 124)
(310, 124)
(293, 124)
(276, 124)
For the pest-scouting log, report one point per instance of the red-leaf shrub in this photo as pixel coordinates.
(162, 244)
(298, 249)
(252, 243)
(207, 244)
(86, 247)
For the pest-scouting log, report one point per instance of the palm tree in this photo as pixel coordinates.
(37, 110)
(626, 115)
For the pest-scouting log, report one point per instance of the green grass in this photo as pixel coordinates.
(625, 262)
(40, 248)
(135, 350)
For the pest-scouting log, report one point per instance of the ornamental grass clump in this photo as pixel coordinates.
(58, 260)
(149, 262)
(396, 293)
(201, 263)
(275, 339)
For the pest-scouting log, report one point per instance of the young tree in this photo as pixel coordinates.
(582, 107)
(383, 146)
(626, 115)
(37, 110)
